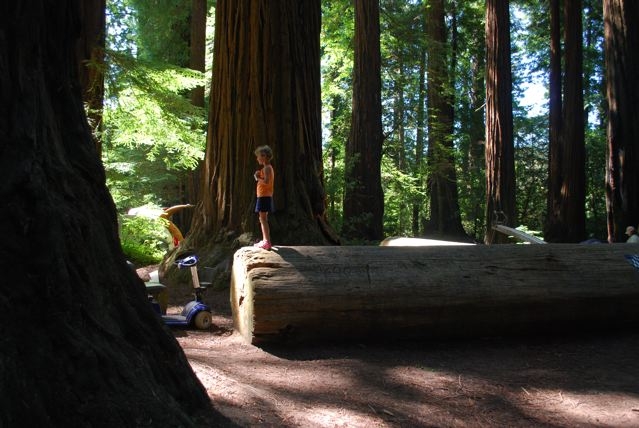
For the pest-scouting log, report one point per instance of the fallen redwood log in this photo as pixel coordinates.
(380, 293)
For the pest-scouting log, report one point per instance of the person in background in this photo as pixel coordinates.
(633, 238)
(264, 178)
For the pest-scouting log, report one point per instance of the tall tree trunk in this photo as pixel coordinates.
(81, 346)
(420, 138)
(197, 59)
(477, 163)
(552, 225)
(621, 30)
(500, 163)
(266, 90)
(363, 197)
(90, 48)
(445, 218)
(573, 188)
(191, 180)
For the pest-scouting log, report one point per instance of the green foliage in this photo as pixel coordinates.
(401, 192)
(144, 240)
(153, 134)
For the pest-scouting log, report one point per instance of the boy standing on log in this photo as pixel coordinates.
(264, 205)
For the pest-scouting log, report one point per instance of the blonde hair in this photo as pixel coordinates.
(264, 150)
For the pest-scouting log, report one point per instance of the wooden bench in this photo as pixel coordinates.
(386, 293)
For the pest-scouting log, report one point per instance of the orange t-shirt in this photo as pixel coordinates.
(265, 189)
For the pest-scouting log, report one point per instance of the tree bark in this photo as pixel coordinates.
(573, 189)
(265, 90)
(621, 34)
(307, 294)
(500, 163)
(445, 217)
(81, 346)
(363, 198)
(90, 49)
(552, 226)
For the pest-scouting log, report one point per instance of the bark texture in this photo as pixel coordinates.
(80, 343)
(500, 161)
(91, 62)
(363, 197)
(388, 293)
(265, 90)
(621, 34)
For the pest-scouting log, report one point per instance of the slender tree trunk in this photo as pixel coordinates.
(420, 138)
(477, 164)
(363, 197)
(445, 218)
(500, 164)
(573, 189)
(552, 226)
(266, 90)
(621, 30)
(81, 346)
(90, 48)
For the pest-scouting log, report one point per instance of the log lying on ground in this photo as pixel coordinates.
(363, 293)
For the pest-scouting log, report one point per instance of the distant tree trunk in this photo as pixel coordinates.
(90, 48)
(500, 164)
(197, 59)
(420, 140)
(445, 218)
(81, 346)
(191, 180)
(266, 90)
(477, 163)
(363, 197)
(621, 31)
(573, 156)
(552, 225)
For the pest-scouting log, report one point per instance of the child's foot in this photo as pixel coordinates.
(265, 245)
(257, 244)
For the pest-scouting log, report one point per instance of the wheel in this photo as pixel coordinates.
(202, 320)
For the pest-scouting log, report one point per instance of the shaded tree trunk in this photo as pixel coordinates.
(573, 188)
(420, 140)
(81, 346)
(500, 164)
(445, 218)
(363, 197)
(266, 90)
(197, 59)
(621, 29)
(90, 48)
(191, 180)
(553, 223)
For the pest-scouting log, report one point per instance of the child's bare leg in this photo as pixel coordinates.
(266, 231)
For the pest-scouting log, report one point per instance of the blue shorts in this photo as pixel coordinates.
(264, 204)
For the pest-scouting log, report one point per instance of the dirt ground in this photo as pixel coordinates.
(569, 381)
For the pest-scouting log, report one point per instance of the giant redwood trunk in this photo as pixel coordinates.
(500, 161)
(80, 344)
(265, 90)
(621, 34)
(363, 197)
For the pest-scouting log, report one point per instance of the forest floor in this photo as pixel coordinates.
(586, 380)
